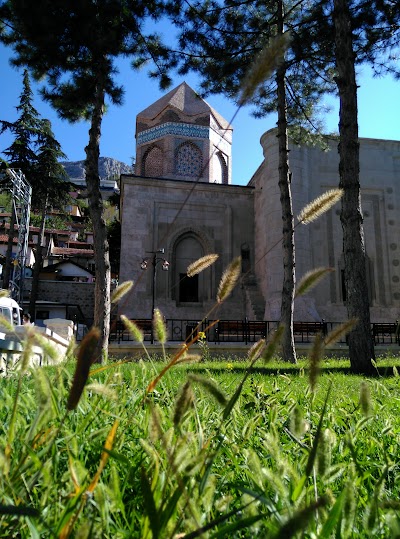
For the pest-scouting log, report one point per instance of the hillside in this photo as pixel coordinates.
(108, 168)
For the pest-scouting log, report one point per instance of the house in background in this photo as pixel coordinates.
(66, 290)
(67, 270)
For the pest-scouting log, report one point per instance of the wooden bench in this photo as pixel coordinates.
(309, 329)
(386, 333)
(230, 330)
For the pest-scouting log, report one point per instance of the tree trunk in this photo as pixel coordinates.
(8, 264)
(101, 252)
(361, 347)
(288, 349)
(38, 265)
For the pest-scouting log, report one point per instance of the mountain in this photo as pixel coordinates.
(109, 168)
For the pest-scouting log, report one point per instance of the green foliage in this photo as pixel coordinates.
(223, 63)
(56, 222)
(22, 151)
(77, 57)
(36, 152)
(284, 462)
(5, 201)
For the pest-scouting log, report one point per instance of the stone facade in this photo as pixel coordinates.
(216, 219)
(182, 209)
(320, 243)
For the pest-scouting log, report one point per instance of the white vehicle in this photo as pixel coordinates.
(10, 310)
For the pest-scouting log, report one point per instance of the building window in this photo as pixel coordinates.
(188, 160)
(188, 249)
(220, 169)
(152, 164)
(188, 288)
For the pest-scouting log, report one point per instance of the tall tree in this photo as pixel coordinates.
(74, 47)
(351, 33)
(361, 344)
(221, 41)
(289, 276)
(50, 190)
(21, 153)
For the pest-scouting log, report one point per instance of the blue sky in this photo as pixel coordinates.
(378, 103)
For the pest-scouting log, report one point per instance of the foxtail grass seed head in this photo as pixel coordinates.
(4, 322)
(211, 387)
(229, 279)
(297, 423)
(342, 330)
(189, 358)
(272, 345)
(324, 451)
(133, 329)
(86, 357)
(365, 399)
(315, 359)
(255, 351)
(49, 350)
(183, 403)
(103, 390)
(160, 328)
(27, 354)
(320, 205)
(42, 388)
(269, 59)
(311, 279)
(348, 511)
(155, 430)
(121, 291)
(201, 264)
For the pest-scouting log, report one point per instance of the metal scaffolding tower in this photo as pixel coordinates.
(21, 192)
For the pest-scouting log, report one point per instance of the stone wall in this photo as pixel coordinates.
(158, 214)
(67, 293)
(320, 243)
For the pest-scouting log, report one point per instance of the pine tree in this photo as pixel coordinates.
(74, 46)
(351, 34)
(51, 190)
(21, 153)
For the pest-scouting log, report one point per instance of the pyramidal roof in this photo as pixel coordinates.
(186, 100)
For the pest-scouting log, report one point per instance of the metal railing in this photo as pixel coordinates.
(248, 331)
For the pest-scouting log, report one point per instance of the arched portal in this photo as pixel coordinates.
(187, 249)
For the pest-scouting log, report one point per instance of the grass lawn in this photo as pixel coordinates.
(214, 450)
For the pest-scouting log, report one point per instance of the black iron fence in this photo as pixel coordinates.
(248, 331)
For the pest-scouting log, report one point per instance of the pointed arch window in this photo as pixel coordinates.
(220, 168)
(187, 249)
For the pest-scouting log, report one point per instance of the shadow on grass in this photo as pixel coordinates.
(292, 370)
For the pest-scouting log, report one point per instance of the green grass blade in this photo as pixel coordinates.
(333, 517)
(149, 505)
(313, 452)
(241, 524)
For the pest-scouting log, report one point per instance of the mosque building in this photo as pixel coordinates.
(181, 205)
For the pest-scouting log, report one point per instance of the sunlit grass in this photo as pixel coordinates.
(187, 467)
